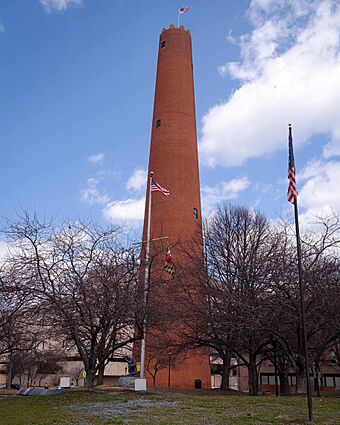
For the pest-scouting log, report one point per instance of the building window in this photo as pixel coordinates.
(264, 379)
(158, 123)
(163, 43)
(195, 214)
(271, 379)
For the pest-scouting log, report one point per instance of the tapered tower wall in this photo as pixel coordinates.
(173, 151)
(174, 161)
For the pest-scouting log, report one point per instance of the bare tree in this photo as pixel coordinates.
(240, 253)
(228, 311)
(16, 338)
(321, 278)
(85, 283)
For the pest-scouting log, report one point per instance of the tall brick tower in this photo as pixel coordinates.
(174, 161)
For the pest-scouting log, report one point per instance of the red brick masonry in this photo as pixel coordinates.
(174, 160)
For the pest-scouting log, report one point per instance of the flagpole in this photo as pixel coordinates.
(302, 302)
(146, 282)
(178, 18)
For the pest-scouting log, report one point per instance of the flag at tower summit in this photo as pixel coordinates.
(183, 10)
(155, 187)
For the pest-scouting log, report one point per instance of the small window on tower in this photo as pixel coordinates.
(195, 214)
(163, 43)
(158, 123)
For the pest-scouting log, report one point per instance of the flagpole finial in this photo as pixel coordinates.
(151, 173)
(290, 129)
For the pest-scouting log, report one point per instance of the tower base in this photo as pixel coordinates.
(184, 372)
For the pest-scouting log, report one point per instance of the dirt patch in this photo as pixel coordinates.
(113, 409)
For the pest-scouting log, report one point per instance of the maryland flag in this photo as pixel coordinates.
(169, 265)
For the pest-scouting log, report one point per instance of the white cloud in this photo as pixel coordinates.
(223, 191)
(2, 27)
(321, 190)
(91, 194)
(96, 158)
(126, 210)
(137, 181)
(259, 10)
(289, 72)
(58, 5)
(129, 211)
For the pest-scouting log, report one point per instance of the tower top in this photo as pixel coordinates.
(173, 28)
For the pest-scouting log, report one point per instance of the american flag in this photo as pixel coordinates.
(292, 190)
(155, 187)
(183, 10)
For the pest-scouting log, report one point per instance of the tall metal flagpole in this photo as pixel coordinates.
(146, 282)
(302, 294)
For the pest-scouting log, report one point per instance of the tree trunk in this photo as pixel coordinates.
(89, 381)
(252, 372)
(301, 384)
(225, 379)
(9, 377)
(284, 385)
(226, 358)
(100, 376)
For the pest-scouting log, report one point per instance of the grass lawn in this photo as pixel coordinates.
(164, 408)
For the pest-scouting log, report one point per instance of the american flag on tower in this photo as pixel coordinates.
(292, 190)
(155, 187)
(183, 10)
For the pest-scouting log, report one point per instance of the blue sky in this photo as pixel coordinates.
(76, 96)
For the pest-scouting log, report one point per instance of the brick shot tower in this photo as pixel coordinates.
(174, 161)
